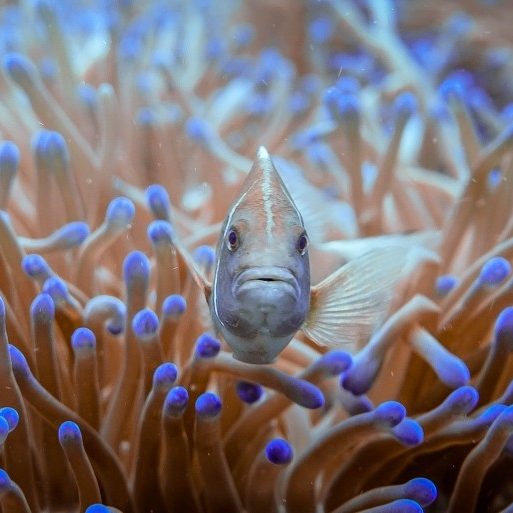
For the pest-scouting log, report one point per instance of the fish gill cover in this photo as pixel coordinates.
(127, 129)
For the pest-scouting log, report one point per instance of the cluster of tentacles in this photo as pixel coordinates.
(127, 128)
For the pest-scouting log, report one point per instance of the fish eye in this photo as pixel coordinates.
(302, 244)
(232, 240)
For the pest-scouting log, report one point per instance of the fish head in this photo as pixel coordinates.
(261, 288)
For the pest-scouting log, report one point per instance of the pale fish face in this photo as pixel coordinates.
(261, 289)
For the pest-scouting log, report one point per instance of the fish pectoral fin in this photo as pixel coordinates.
(347, 305)
(196, 272)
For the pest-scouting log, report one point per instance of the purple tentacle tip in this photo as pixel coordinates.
(409, 432)
(197, 129)
(174, 306)
(335, 362)
(308, 395)
(51, 150)
(204, 256)
(57, 289)
(69, 433)
(42, 308)
(208, 405)
(405, 104)
(444, 284)
(249, 392)
(279, 451)
(11, 416)
(120, 213)
(83, 339)
(347, 108)
(19, 362)
(97, 508)
(491, 413)
(160, 231)
(19, 68)
(136, 265)
(421, 490)
(145, 324)
(176, 401)
(207, 346)
(463, 400)
(452, 370)
(165, 375)
(494, 272)
(158, 201)
(72, 234)
(35, 266)
(360, 376)
(9, 158)
(389, 413)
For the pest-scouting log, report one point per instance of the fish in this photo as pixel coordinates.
(261, 293)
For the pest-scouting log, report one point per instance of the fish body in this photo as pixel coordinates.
(261, 293)
(261, 288)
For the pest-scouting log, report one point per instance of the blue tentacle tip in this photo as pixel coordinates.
(176, 401)
(165, 375)
(173, 306)
(249, 392)
(83, 339)
(69, 432)
(208, 405)
(207, 346)
(11, 416)
(145, 324)
(279, 451)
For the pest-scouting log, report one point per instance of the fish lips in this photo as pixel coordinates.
(261, 278)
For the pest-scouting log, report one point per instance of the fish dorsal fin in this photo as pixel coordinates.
(348, 304)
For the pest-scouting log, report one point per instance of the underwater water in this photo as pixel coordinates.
(379, 135)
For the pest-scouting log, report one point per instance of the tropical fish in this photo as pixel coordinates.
(261, 293)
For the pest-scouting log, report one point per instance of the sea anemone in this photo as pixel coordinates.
(127, 129)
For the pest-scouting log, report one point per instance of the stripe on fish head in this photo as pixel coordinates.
(265, 197)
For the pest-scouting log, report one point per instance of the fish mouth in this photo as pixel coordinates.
(266, 276)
